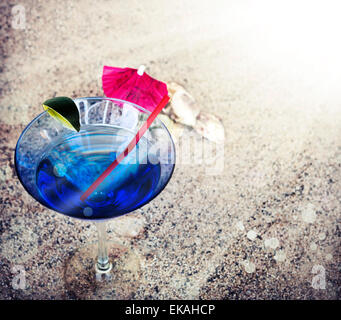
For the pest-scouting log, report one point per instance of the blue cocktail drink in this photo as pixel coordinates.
(56, 165)
(71, 165)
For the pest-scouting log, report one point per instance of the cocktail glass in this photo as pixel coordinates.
(56, 165)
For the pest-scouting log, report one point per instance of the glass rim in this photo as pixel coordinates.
(95, 98)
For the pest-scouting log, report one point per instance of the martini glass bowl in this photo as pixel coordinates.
(56, 165)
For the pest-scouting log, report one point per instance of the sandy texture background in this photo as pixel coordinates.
(255, 230)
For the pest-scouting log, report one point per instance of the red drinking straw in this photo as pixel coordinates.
(129, 148)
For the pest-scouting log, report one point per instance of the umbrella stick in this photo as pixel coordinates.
(129, 148)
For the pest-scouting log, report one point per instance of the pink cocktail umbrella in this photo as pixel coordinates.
(137, 87)
(134, 86)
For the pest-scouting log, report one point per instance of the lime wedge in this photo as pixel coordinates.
(64, 110)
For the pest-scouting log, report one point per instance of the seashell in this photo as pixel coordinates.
(184, 108)
(210, 126)
(173, 87)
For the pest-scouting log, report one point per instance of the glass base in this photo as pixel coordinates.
(85, 280)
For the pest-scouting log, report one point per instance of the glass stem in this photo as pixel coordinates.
(102, 264)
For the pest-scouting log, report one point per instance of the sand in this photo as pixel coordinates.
(279, 175)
